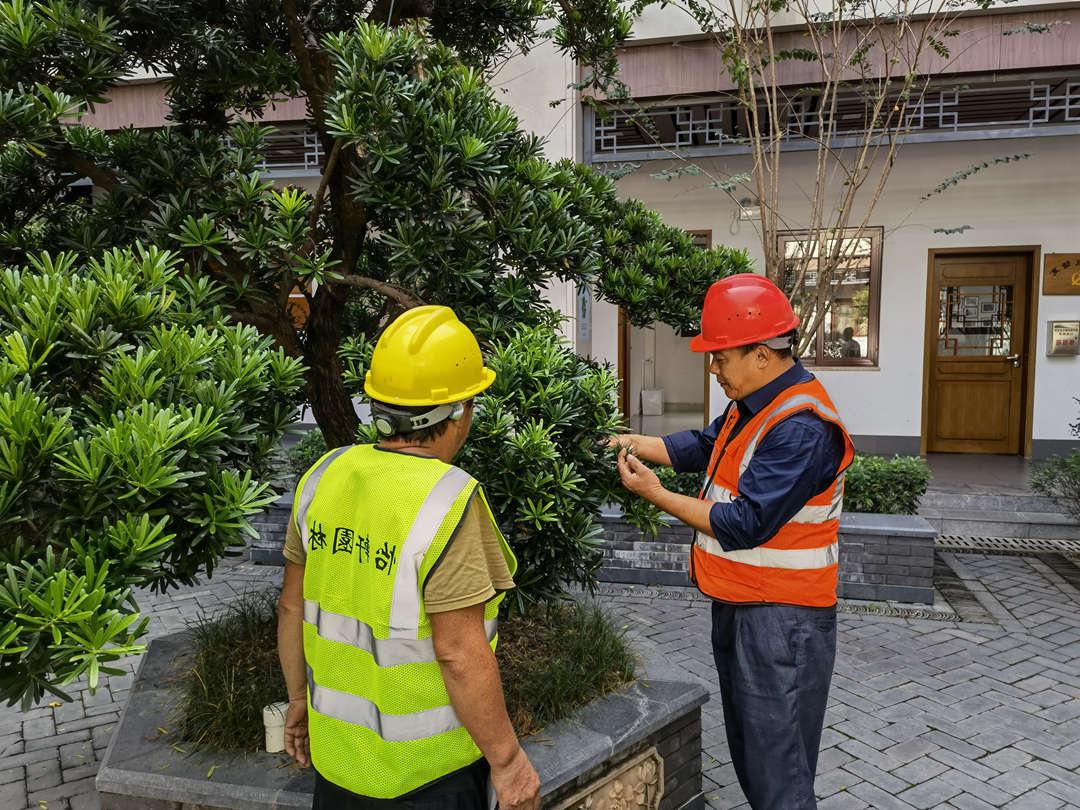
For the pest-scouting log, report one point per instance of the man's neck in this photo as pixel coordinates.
(429, 449)
(784, 367)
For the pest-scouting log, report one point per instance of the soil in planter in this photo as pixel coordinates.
(553, 661)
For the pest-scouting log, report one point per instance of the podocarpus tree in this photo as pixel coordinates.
(429, 194)
(138, 432)
(429, 190)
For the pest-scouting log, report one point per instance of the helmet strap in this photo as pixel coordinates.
(389, 421)
(782, 342)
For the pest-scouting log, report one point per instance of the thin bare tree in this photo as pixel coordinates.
(847, 80)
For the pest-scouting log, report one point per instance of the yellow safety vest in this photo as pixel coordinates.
(374, 523)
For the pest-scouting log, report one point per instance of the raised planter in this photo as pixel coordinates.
(644, 741)
(882, 557)
(270, 524)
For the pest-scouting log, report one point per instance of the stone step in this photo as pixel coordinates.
(997, 502)
(1005, 523)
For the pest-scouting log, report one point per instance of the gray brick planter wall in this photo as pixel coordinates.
(887, 557)
(141, 770)
(270, 524)
(882, 557)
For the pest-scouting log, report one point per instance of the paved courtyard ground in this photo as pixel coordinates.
(973, 704)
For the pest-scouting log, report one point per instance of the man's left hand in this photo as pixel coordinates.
(297, 744)
(638, 478)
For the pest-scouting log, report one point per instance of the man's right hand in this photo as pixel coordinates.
(517, 785)
(646, 448)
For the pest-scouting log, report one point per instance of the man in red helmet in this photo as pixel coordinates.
(766, 526)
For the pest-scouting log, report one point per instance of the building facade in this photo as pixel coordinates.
(939, 339)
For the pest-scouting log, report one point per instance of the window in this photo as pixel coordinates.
(845, 319)
(701, 239)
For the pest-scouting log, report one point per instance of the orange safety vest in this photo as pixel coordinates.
(797, 565)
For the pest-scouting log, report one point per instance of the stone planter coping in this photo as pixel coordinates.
(871, 523)
(142, 770)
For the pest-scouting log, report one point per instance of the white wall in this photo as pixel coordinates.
(528, 84)
(1033, 202)
(661, 359)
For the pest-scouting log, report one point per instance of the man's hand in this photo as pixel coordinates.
(638, 478)
(516, 784)
(649, 448)
(297, 745)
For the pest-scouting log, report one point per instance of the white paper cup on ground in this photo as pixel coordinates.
(274, 723)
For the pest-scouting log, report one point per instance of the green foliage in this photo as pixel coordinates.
(891, 486)
(684, 483)
(674, 173)
(971, 170)
(1059, 478)
(136, 433)
(536, 446)
(556, 659)
(552, 661)
(432, 194)
(304, 454)
(232, 673)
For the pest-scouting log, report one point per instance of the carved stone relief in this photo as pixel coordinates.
(637, 784)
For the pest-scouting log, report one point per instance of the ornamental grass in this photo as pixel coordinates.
(553, 660)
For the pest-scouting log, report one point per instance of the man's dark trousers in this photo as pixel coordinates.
(465, 789)
(775, 663)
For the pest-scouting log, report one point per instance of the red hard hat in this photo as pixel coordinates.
(741, 310)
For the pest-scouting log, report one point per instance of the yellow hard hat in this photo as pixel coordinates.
(426, 357)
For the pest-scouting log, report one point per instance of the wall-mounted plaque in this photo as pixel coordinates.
(1061, 274)
(1062, 338)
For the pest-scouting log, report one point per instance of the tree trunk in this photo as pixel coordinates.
(330, 402)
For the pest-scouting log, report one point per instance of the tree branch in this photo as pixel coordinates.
(299, 45)
(310, 16)
(102, 176)
(399, 294)
(328, 171)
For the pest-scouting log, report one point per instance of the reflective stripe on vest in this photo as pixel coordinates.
(307, 494)
(391, 727)
(387, 652)
(405, 603)
(808, 514)
(791, 559)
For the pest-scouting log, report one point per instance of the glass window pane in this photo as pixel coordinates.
(845, 324)
(975, 321)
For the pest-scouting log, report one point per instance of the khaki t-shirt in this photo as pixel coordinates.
(471, 571)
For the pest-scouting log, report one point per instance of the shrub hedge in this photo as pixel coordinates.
(891, 486)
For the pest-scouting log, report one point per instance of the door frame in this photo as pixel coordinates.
(623, 367)
(1027, 410)
(623, 351)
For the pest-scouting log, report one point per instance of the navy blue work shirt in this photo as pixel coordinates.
(795, 460)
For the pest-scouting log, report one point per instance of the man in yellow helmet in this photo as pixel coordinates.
(387, 618)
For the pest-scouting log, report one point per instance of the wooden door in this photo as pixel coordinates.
(978, 336)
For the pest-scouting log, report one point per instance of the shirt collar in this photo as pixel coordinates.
(752, 403)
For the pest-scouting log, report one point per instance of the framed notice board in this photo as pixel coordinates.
(1061, 274)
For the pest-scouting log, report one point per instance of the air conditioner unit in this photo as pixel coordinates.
(652, 402)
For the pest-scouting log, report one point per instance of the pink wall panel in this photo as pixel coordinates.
(665, 69)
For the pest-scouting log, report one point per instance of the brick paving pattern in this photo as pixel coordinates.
(923, 713)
